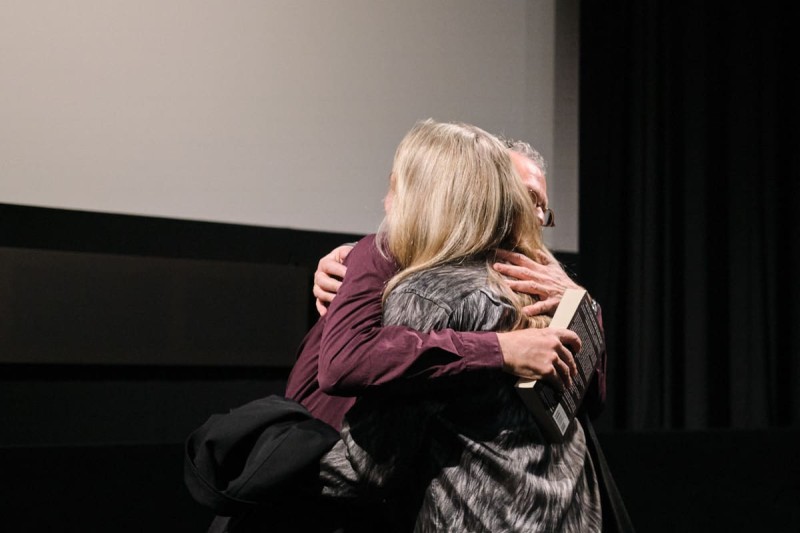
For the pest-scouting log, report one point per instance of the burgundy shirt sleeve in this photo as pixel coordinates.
(357, 354)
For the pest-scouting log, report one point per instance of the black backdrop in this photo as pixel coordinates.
(689, 211)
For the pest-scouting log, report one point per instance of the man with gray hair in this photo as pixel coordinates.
(357, 355)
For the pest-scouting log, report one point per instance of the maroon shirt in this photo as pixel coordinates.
(348, 353)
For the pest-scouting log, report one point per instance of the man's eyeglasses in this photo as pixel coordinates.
(549, 218)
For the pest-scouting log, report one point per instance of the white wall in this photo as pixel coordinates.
(273, 113)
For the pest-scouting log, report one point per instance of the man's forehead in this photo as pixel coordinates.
(531, 175)
(525, 166)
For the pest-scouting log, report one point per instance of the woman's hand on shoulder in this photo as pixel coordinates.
(328, 277)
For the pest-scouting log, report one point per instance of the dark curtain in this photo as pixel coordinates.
(689, 211)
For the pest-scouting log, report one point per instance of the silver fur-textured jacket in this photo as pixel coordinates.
(467, 455)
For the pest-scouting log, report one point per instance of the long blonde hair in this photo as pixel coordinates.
(457, 196)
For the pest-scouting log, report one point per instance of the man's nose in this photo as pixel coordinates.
(540, 214)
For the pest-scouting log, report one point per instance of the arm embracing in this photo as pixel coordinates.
(357, 354)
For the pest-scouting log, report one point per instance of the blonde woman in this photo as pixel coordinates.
(468, 456)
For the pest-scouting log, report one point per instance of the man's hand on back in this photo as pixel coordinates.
(542, 277)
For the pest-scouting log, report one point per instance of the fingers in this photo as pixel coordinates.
(571, 340)
(342, 252)
(515, 258)
(540, 354)
(562, 371)
(565, 368)
(567, 364)
(562, 376)
(513, 271)
(545, 307)
(325, 289)
(329, 266)
(521, 268)
(325, 284)
(528, 287)
(327, 278)
(543, 257)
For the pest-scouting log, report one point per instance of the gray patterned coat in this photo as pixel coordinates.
(467, 455)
